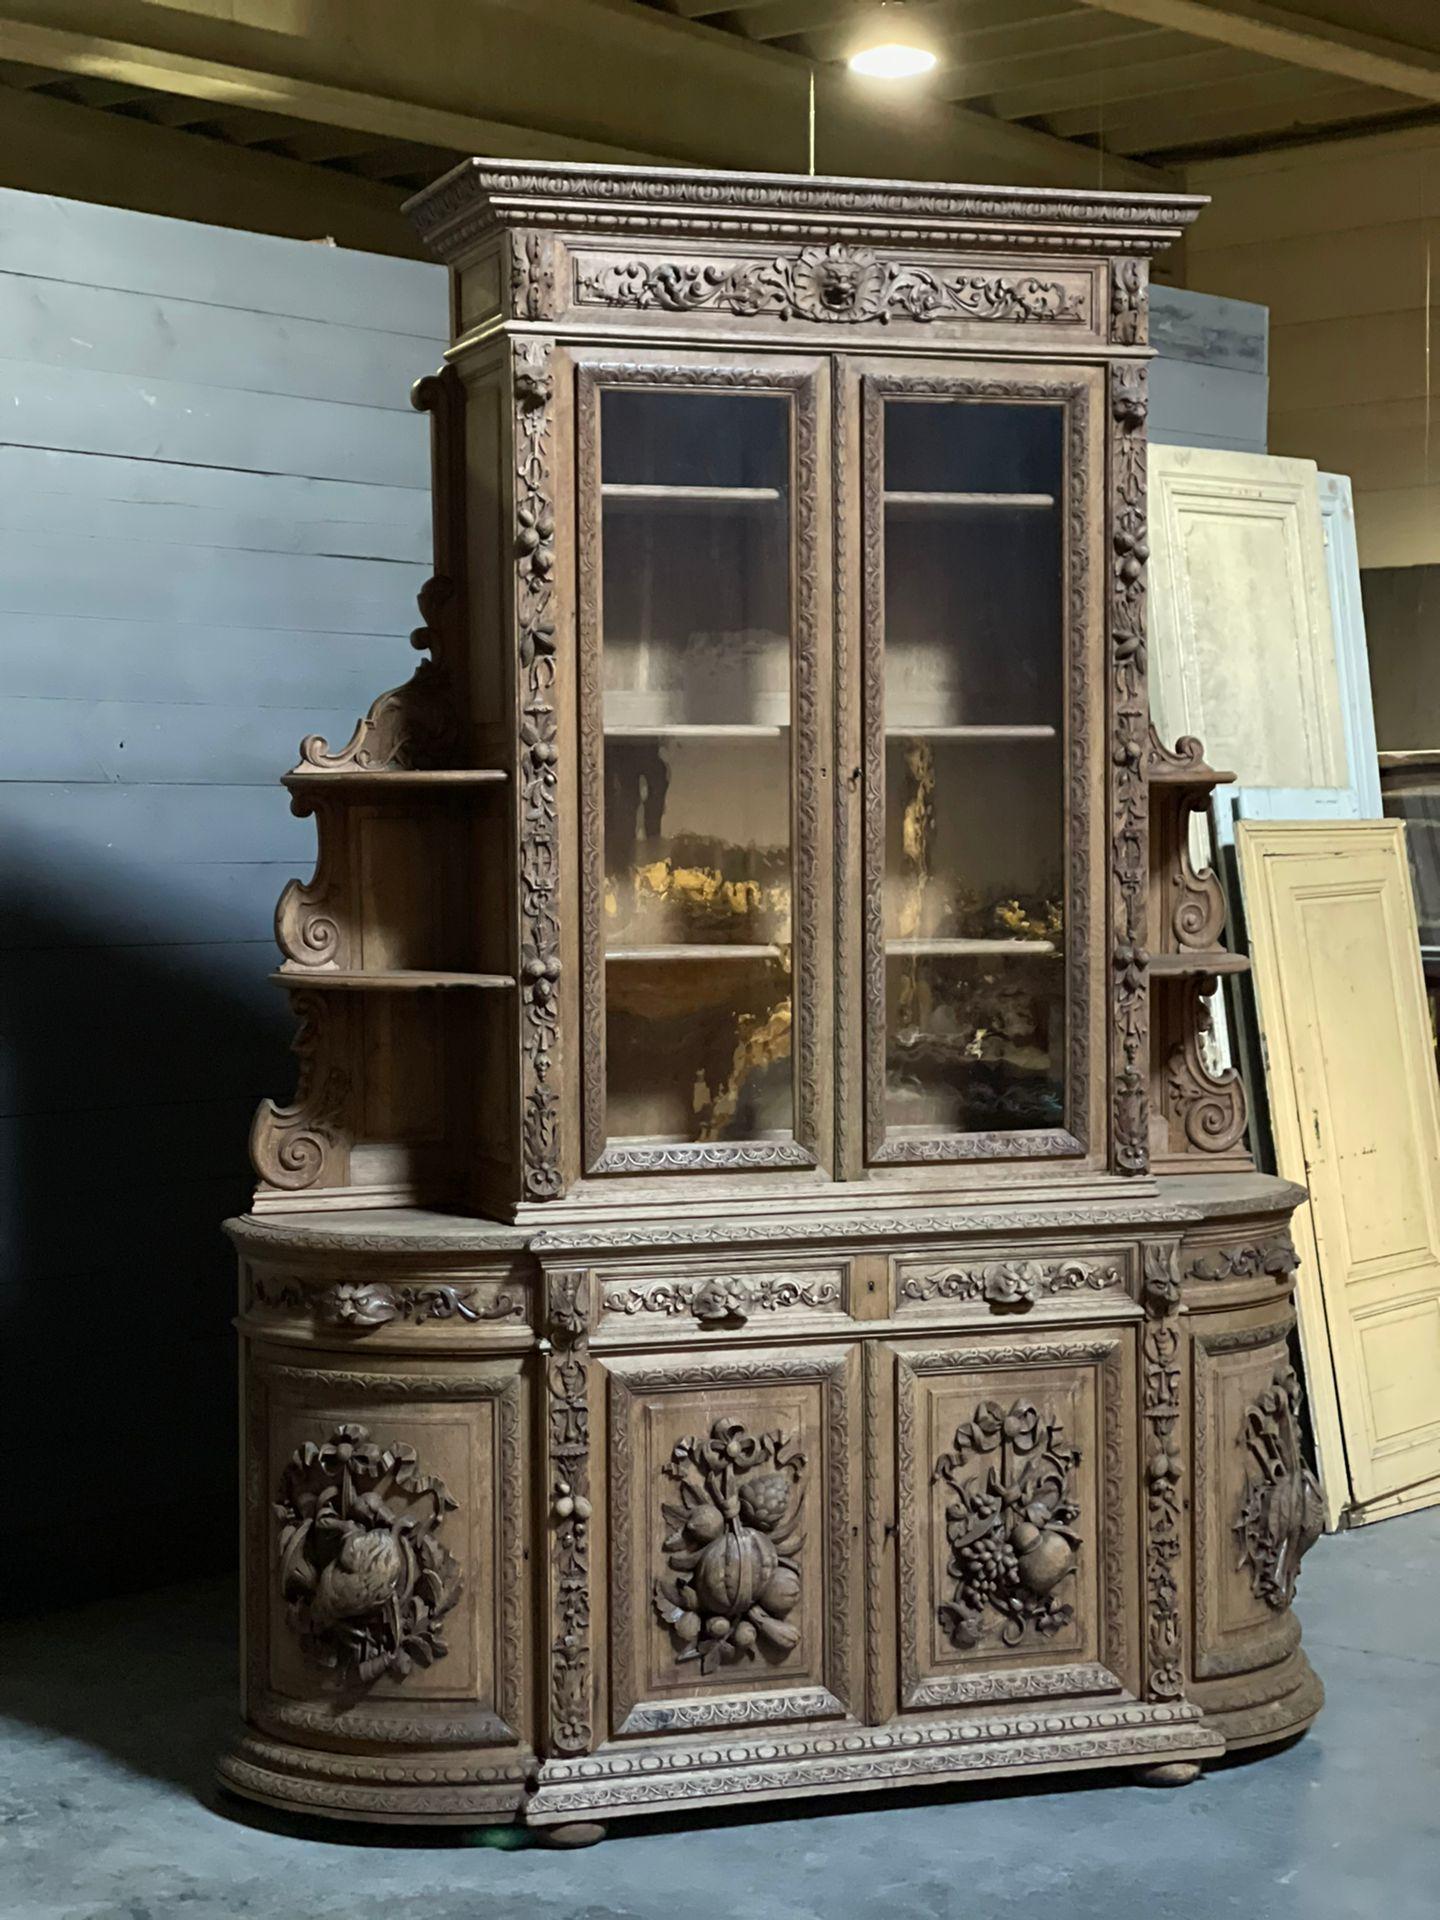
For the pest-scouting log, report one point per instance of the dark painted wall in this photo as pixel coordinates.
(214, 515)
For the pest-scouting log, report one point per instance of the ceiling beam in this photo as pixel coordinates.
(1299, 39)
(601, 80)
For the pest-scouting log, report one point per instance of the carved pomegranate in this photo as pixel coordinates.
(734, 1571)
(782, 1593)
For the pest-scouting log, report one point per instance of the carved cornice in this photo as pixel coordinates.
(484, 194)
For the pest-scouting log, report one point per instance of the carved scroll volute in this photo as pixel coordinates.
(1130, 879)
(1282, 1511)
(1164, 1471)
(312, 927)
(307, 1143)
(419, 725)
(567, 1381)
(1207, 1108)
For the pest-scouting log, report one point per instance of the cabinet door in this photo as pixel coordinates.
(982, 708)
(703, 592)
(1016, 1520)
(734, 1502)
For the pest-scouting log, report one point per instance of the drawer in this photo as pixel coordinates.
(982, 1285)
(676, 1301)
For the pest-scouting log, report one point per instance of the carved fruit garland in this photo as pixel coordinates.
(733, 1547)
(1009, 1526)
(365, 1577)
(539, 756)
(1129, 786)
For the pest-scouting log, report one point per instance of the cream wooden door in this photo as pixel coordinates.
(1356, 1115)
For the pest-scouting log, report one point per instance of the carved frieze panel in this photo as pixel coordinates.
(724, 1300)
(1006, 1286)
(835, 284)
(1273, 1255)
(359, 1305)
(366, 1578)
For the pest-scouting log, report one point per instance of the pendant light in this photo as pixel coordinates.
(887, 47)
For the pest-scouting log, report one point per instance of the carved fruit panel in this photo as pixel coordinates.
(388, 1507)
(1016, 1512)
(1257, 1505)
(732, 1494)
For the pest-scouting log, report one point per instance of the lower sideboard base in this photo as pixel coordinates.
(1282, 1705)
(632, 1779)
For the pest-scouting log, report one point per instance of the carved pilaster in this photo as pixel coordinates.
(539, 851)
(1129, 797)
(1163, 1463)
(567, 1384)
(1130, 302)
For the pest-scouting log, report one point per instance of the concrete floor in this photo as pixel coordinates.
(115, 1712)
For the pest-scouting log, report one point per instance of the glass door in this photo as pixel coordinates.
(698, 696)
(975, 713)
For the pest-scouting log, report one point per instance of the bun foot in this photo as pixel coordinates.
(573, 1833)
(1168, 1773)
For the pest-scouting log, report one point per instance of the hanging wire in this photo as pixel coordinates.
(812, 120)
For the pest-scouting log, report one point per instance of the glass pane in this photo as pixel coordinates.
(974, 876)
(696, 595)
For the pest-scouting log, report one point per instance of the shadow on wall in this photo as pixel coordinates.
(134, 1072)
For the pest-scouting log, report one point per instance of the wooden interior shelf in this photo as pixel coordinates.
(392, 980)
(686, 730)
(900, 732)
(621, 492)
(945, 948)
(406, 779)
(944, 502)
(1181, 966)
(729, 950)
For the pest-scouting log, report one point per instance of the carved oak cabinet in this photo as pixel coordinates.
(760, 1289)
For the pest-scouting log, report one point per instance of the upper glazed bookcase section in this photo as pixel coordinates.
(578, 244)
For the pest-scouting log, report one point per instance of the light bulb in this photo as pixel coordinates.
(892, 60)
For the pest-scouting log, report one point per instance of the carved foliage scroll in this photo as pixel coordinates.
(1282, 1513)
(733, 1546)
(537, 779)
(1275, 1256)
(1009, 1525)
(1012, 1285)
(361, 1304)
(567, 1380)
(832, 283)
(1130, 747)
(1164, 1466)
(366, 1579)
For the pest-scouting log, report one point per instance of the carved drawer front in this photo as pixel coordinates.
(734, 1494)
(645, 1304)
(1002, 1286)
(1257, 1507)
(386, 1510)
(1016, 1521)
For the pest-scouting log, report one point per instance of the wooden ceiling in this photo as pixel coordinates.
(1162, 80)
(390, 92)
